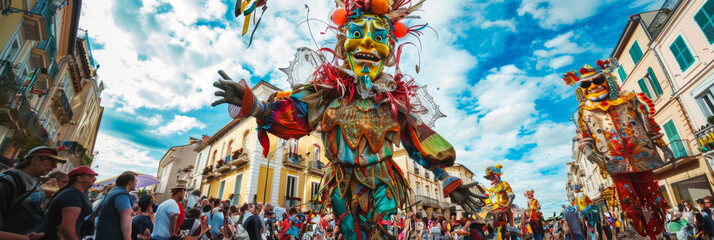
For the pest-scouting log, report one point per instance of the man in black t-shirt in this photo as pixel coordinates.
(68, 208)
(254, 225)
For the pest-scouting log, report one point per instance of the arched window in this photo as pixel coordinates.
(245, 139)
(230, 148)
(315, 152)
(293, 146)
(215, 152)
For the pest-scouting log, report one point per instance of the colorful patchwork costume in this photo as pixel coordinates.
(617, 133)
(535, 217)
(501, 198)
(362, 113)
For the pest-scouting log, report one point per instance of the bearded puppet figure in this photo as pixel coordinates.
(534, 216)
(617, 133)
(501, 198)
(362, 114)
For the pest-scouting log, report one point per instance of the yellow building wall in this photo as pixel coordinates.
(282, 188)
(261, 184)
(301, 190)
(228, 188)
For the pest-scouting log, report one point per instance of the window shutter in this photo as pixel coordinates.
(655, 83)
(635, 52)
(676, 145)
(622, 73)
(643, 87)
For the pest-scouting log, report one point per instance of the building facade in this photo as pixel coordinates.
(427, 193)
(466, 175)
(587, 175)
(177, 162)
(50, 92)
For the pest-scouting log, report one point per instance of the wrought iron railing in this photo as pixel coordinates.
(65, 104)
(292, 201)
(9, 83)
(294, 159)
(54, 69)
(424, 200)
(317, 165)
(49, 45)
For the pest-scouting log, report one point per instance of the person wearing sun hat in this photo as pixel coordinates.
(170, 214)
(21, 196)
(68, 208)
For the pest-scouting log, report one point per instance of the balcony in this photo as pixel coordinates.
(10, 84)
(61, 108)
(208, 174)
(292, 201)
(316, 167)
(43, 53)
(221, 165)
(38, 21)
(294, 160)
(74, 152)
(239, 158)
(705, 138)
(427, 201)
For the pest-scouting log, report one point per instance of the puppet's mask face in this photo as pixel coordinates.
(595, 89)
(529, 194)
(494, 178)
(367, 46)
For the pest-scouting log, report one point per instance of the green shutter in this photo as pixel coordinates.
(220, 189)
(643, 87)
(676, 146)
(237, 189)
(621, 72)
(681, 53)
(635, 52)
(705, 19)
(655, 83)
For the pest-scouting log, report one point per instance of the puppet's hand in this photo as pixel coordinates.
(469, 200)
(230, 91)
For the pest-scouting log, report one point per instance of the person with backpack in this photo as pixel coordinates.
(114, 219)
(21, 196)
(69, 206)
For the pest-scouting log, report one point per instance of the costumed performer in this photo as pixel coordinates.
(617, 133)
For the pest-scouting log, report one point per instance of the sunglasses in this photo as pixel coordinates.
(598, 80)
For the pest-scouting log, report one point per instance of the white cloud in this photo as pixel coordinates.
(559, 62)
(559, 51)
(551, 14)
(179, 125)
(509, 25)
(116, 155)
(153, 120)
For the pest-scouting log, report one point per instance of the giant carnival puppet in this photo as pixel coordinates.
(362, 113)
(534, 216)
(617, 133)
(501, 197)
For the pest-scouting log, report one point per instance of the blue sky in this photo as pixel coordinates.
(494, 69)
